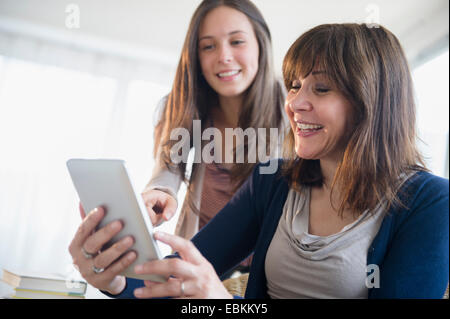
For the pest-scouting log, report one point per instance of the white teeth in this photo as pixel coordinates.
(231, 73)
(308, 126)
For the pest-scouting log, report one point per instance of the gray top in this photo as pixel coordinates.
(301, 265)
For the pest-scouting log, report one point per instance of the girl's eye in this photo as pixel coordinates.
(207, 47)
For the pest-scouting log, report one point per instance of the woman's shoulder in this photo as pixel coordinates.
(426, 197)
(424, 184)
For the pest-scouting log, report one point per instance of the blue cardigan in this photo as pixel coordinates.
(411, 248)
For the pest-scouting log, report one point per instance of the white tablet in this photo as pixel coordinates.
(106, 183)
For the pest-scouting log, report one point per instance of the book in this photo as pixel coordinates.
(42, 294)
(43, 282)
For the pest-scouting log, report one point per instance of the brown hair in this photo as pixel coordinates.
(191, 96)
(368, 66)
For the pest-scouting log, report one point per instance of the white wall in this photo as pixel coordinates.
(156, 29)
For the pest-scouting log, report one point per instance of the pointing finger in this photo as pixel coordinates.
(170, 209)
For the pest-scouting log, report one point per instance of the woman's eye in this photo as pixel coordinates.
(322, 89)
(295, 86)
(237, 42)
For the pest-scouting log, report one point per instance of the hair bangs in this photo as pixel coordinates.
(310, 53)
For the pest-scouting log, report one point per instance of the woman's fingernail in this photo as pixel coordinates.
(127, 241)
(96, 212)
(116, 225)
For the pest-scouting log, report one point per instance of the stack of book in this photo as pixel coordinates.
(43, 286)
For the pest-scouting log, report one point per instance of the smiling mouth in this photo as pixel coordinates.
(309, 127)
(228, 74)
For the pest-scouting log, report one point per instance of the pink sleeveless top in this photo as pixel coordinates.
(216, 193)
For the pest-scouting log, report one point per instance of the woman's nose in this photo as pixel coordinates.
(300, 102)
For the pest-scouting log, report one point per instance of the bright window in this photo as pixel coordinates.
(48, 115)
(431, 85)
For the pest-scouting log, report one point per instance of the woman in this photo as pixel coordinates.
(353, 213)
(225, 79)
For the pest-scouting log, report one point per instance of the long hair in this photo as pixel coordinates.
(191, 96)
(368, 66)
